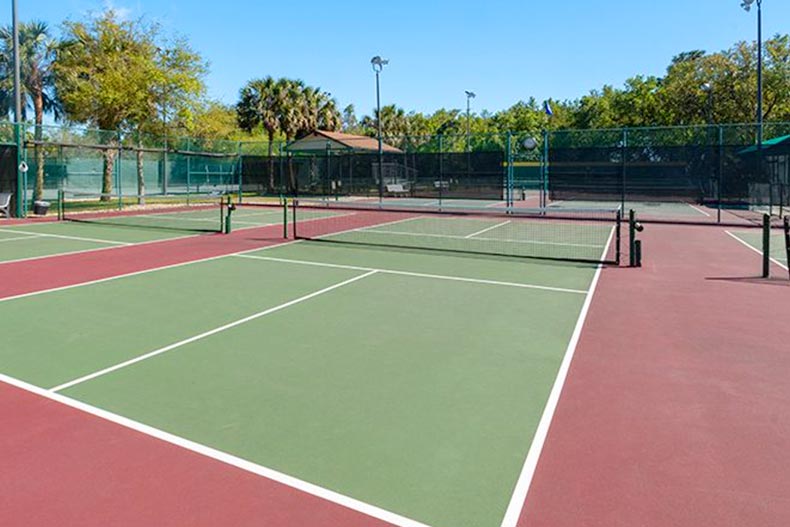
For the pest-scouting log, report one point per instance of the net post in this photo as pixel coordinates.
(766, 245)
(228, 212)
(509, 173)
(294, 206)
(787, 240)
(632, 238)
(284, 203)
(618, 237)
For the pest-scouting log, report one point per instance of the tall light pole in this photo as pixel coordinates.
(469, 96)
(747, 5)
(17, 108)
(378, 64)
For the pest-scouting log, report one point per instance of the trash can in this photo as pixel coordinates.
(40, 208)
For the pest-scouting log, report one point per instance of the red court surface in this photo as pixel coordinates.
(675, 411)
(61, 466)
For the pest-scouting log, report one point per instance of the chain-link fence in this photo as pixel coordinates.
(687, 174)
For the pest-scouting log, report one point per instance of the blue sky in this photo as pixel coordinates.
(503, 50)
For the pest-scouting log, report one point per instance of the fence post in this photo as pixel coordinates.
(721, 174)
(544, 170)
(624, 152)
(117, 172)
(441, 169)
(509, 172)
(21, 177)
(240, 154)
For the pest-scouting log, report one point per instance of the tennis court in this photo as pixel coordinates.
(412, 381)
(754, 240)
(106, 229)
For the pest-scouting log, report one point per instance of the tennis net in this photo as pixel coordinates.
(584, 235)
(178, 213)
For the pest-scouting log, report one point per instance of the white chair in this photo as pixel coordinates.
(5, 204)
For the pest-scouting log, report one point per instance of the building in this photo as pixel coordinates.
(321, 140)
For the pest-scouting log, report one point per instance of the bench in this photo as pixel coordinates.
(396, 189)
(5, 204)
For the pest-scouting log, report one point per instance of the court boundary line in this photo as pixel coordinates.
(143, 271)
(698, 210)
(756, 250)
(97, 249)
(414, 274)
(17, 238)
(524, 482)
(218, 455)
(284, 243)
(487, 229)
(65, 237)
(206, 334)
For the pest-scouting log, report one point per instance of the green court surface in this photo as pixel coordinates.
(754, 239)
(33, 240)
(410, 381)
(651, 209)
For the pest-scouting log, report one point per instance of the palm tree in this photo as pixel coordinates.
(37, 56)
(261, 104)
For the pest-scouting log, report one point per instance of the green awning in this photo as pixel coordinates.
(767, 145)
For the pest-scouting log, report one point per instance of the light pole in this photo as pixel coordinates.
(378, 64)
(747, 5)
(469, 96)
(17, 109)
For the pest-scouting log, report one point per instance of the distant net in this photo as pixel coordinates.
(188, 214)
(585, 235)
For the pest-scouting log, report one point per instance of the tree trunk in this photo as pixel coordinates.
(38, 105)
(140, 173)
(109, 171)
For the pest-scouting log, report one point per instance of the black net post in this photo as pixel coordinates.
(618, 237)
(294, 206)
(787, 241)
(766, 245)
(632, 238)
(284, 202)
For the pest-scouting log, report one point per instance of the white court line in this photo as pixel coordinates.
(758, 251)
(483, 231)
(521, 489)
(154, 269)
(205, 334)
(417, 275)
(218, 455)
(77, 238)
(136, 273)
(454, 237)
(698, 209)
(16, 238)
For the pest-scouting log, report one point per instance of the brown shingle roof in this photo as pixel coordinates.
(357, 142)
